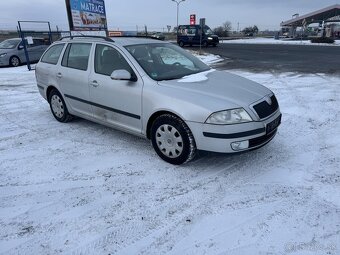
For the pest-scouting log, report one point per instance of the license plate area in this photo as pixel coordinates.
(273, 125)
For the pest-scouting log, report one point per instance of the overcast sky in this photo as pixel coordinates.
(157, 14)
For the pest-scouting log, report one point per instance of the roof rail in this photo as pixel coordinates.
(135, 36)
(87, 36)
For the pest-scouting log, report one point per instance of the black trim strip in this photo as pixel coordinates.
(40, 87)
(235, 135)
(104, 107)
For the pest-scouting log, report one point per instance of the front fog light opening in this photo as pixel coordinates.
(238, 146)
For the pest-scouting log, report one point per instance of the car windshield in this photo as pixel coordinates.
(166, 61)
(9, 44)
(208, 31)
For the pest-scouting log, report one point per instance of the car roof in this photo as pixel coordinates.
(19, 39)
(13, 39)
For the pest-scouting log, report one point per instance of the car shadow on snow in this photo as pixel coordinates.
(102, 135)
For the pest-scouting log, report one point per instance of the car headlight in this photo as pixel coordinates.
(210, 38)
(2, 55)
(226, 117)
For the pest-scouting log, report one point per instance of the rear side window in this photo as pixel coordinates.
(77, 56)
(52, 54)
(187, 30)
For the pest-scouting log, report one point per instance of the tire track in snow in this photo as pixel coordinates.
(219, 178)
(116, 236)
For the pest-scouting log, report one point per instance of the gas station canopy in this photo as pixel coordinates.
(331, 13)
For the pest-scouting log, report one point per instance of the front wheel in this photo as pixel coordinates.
(14, 61)
(205, 44)
(181, 43)
(58, 106)
(172, 140)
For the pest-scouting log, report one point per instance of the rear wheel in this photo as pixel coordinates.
(181, 43)
(14, 61)
(173, 140)
(58, 106)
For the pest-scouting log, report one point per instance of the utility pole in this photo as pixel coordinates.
(178, 3)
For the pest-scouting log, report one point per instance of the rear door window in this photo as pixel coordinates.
(52, 54)
(77, 56)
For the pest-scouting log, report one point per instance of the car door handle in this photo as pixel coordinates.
(95, 83)
(59, 75)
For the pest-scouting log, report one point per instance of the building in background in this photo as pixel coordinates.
(324, 22)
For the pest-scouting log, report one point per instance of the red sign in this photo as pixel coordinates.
(193, 19)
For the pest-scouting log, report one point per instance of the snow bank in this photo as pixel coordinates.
(209, 59)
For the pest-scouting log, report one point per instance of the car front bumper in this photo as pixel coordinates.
(4, 61)
(212, 42)
(237, 137)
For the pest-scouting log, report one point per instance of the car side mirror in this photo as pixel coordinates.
(122, 75)
(20, 47)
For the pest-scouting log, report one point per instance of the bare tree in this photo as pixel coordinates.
(224, 30)
(227, 26)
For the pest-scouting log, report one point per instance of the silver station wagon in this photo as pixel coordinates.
(158, 91)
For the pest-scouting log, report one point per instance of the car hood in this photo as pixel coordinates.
(218, 90)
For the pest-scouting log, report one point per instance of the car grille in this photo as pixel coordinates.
(264, 109)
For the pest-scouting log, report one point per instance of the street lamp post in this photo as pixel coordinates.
(178, 2)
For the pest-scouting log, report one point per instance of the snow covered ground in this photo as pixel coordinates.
(82, 188)
(281, 41)
(209, 59)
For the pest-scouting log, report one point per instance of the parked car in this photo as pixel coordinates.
(159, 36)
(12, 51)
(159, 91)
(191, 35)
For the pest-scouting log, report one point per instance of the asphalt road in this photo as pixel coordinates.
(279, 58)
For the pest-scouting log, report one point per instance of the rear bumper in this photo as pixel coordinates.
(222, 138)
(42, 91)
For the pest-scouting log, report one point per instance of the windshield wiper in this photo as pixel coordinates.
(169, 79)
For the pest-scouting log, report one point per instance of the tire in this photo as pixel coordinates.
(214, 45)
(14, 61)
(172, 140)
(58, 107)
(181, 44)
(205, 44)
